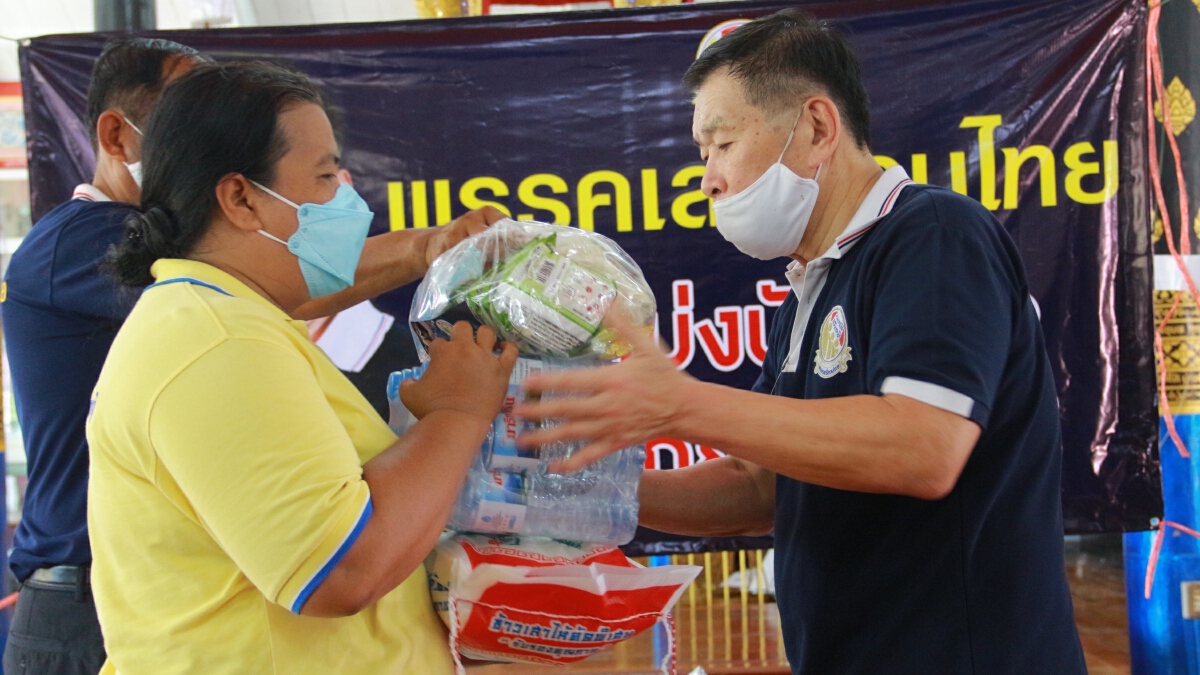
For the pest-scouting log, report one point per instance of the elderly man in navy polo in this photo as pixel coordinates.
(903, 441)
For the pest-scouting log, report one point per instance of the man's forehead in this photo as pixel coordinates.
(707, 125)
(719, 104)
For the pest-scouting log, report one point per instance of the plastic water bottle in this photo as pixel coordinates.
(399, 417)
(509, 490)
(598, 504)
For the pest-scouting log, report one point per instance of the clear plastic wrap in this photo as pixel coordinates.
(510, 490)
(546, 288)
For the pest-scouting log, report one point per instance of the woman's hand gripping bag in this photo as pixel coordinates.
(507, 598)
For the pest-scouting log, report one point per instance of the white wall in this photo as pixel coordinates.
(292, 12)
(30, 18)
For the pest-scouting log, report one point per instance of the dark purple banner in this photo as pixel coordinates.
(1034, 108)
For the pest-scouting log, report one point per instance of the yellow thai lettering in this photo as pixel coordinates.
(651, 221)
(395, 192)
(420, 205)
(886, 162)
(468, 193)
(1077, 169)
(526, 192)
(680, 207)
(441, 201)
(589, 200)
(987, 155)
(920, 168)
(958, 172)
(1013, 159)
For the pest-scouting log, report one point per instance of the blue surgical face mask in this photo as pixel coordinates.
(329, 240)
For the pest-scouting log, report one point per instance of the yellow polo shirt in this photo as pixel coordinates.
(226, 481)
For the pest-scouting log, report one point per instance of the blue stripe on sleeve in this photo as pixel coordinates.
(334, 559)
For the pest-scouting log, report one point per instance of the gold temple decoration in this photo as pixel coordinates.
(1181, 350)
(1180, 103)
(1157, 235)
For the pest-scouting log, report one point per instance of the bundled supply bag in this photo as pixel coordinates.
(546, 288)
(510, 490)
(542, 601)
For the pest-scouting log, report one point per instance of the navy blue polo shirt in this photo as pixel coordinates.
(60, 316)
(925, 295)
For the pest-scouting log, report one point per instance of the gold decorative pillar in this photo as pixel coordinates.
(1181, 351)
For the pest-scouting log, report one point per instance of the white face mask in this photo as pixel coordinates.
(767, 220)
(135, 168)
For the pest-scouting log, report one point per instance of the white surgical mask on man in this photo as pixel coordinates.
(767, 220)
(135, 168)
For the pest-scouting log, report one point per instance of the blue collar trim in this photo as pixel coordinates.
(189, 280)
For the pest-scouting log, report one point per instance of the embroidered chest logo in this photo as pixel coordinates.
(833, 348)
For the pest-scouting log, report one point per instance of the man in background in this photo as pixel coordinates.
(60, 317)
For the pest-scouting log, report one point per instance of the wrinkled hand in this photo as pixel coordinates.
(464, 375)
(611, 407)
(447, 236)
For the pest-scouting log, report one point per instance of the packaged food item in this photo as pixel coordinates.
(510, 490)
(544, 287)
(543, 601)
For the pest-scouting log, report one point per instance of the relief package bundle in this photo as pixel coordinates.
(509, 598)
(547, 289)
(531, 572)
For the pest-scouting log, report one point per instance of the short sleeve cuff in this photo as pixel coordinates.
(317, 567)
(937, 396)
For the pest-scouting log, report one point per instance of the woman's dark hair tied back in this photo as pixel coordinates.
(149, 236)
(217, 120)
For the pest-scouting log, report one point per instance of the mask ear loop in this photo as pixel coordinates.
(139, 132)
(133, 126)
(275, 194)
(790, 136)
(787, 145)
(281, 198)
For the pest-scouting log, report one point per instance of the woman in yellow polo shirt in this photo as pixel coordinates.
(248, 511)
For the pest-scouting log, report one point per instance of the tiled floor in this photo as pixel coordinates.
(708, 635)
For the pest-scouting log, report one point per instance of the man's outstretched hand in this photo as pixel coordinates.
(446, 237)
(611, 407)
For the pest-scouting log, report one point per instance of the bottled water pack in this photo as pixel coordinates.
(510, 490)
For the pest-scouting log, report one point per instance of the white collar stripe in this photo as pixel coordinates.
(867, 215)
(854, 237)
(89, 193)
(891, 200)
